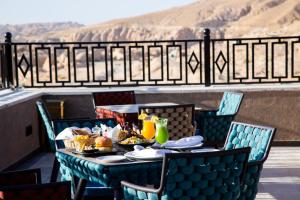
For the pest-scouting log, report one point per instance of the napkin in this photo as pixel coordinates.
(184, 142)
(149, 153)
(112, 132)
(67, 133)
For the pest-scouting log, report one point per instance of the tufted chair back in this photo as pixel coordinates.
(113, 98)
(180, 118)
(50, 191)
(230, 103)
(11, 178)
(45, 116)
(211, 175)
(259, 138)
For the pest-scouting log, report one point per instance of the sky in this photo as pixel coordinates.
(82, 11)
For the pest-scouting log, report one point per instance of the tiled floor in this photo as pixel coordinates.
(280, 178)
(43, 161)
(281, 175)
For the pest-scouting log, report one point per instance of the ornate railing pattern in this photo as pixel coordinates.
(255, 60)
(94, 64)
(151, 63)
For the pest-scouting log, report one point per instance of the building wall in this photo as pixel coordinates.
(14, 144)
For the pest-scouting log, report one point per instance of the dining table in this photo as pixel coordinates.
(125, 112)
(108, 174)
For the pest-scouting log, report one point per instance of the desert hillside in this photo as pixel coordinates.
(226, 18)
(23, 31)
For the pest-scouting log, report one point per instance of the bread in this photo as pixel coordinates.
(80, 132)
(103, 144)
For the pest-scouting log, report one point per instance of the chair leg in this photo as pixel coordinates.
(55, 169)
(118, 194)
(80, 189)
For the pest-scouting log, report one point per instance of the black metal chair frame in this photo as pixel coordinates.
(38, 186)
(36, 172)
(165, 165)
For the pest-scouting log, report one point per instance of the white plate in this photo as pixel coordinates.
(146, 154)
(111, 159)
(184, 143)
(204, 150)
(185, 147)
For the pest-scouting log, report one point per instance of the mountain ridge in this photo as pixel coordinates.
(234, 18)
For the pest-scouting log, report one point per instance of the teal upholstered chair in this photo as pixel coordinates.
(92, 189)
(213, 125)
(46, 119)
(259, 138)
(45, 116)
(211, 175)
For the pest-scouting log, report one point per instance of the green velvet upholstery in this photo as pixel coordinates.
(259, 138)
(213, 125)
(45, 116)
(189, 176)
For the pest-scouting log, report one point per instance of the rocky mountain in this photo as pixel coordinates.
(22, 32)
(225, 18)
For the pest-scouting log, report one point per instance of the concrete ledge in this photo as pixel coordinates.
(11, 97)
(172, 89)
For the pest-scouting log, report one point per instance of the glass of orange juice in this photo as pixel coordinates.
(148, 130)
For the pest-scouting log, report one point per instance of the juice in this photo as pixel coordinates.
(161, 135)
(148, 130)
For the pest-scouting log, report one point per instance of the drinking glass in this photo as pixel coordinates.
(161, 134)
(148, 130)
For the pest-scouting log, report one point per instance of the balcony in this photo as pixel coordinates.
(270, 97)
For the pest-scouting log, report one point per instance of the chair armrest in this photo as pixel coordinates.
(139, 188)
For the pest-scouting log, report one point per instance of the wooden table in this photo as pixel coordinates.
(125, 113)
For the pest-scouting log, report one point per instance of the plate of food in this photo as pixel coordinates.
(131, 138)
(94, 152)
(86, 145)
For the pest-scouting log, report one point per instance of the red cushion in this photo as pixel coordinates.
(114, 98)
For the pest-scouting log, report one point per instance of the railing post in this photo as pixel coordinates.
(8, 61)
(207, 57)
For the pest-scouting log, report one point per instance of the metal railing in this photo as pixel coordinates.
(150, 63)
